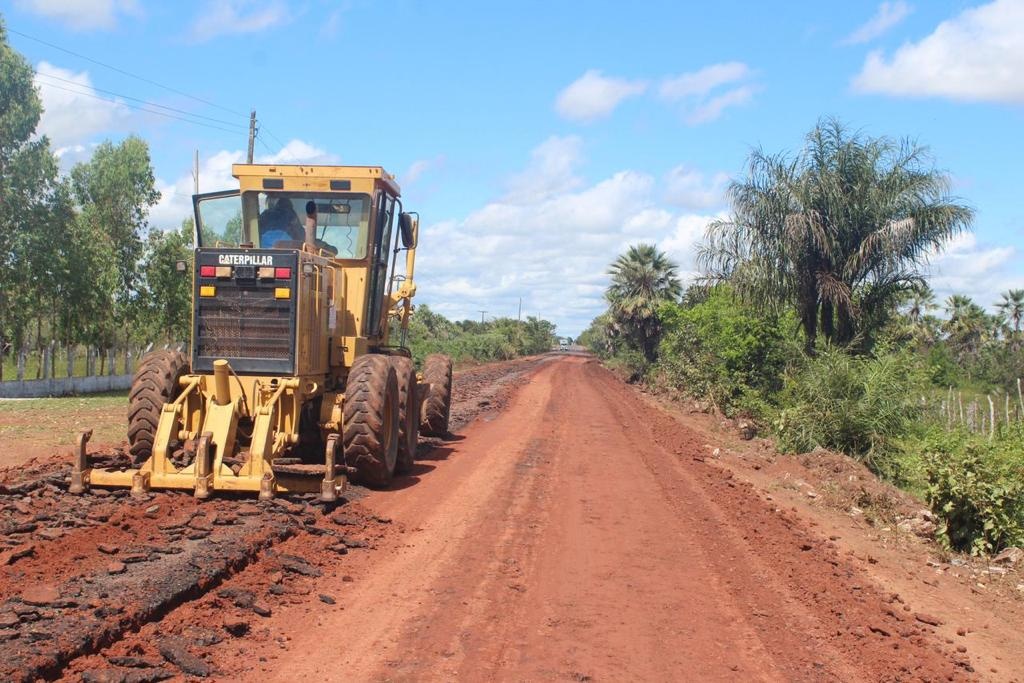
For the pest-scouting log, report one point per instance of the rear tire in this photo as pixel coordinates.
(408, 416)
(154, 384)
(369, 433)
(437, 406)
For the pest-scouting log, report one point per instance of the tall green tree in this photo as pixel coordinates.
(1012, 307)
(839, 231)
(115, 190)
(28, 183)
(167, 294)
(968, 326)
(642, 279)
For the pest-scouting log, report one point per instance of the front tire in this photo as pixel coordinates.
(369, 432)
(155, 383)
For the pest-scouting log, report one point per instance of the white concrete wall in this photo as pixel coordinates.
(66, 386)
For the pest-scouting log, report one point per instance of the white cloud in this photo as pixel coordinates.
(549, 246)
(215, 174)
(552, 169)
(688, 188)
(419, 167)
(298, 152)
(888, 15)
(977, 55)
(593, 96)
(702, 81)
(71, 112)
(82, 15)
(700, 91)
(225, 17)
(713, 108)
(977, 270)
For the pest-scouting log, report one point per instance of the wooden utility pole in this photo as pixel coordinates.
(252, 134)
(482, 317)
(519, 316)
(195, 172)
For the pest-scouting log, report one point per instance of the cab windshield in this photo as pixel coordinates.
(277, 221)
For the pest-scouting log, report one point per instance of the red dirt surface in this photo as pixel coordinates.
(576, 537)
(570, 530)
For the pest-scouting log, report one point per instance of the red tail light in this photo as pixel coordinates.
(207, 271)
(283, 273)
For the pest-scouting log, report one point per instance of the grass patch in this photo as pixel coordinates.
(102, 401)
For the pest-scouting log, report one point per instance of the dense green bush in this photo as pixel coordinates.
(467, 340)
(724, 351)
(628, 363)
(855, 404)
(977, 489)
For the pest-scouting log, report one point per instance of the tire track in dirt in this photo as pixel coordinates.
(579, 536)
(80, 573)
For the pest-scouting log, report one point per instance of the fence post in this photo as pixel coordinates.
(1020, 398)
(991, 417)
(1007, 412)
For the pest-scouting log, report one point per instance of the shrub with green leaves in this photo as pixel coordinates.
(725, 351)
(468, 340)
(855, 404)
(629, 364)
(977, 488)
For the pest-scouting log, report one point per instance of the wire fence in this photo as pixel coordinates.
(983, 414)
(58, 362)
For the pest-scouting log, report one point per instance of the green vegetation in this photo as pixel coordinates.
(78, 265)
(721, 350)
(642, 279)
(814, 321)
(470, 341)
(838, 232)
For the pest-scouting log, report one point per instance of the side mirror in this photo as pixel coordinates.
(408, 228)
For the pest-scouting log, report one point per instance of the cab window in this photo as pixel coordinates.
(342, 221)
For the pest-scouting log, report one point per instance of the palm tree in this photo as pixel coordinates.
(922, 300)
(968, 325)
(916, 323)
(1012, 307)
(841, 230)
(642, 279)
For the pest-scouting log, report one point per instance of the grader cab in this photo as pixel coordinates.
(298, 373)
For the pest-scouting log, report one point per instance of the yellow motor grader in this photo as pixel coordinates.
(295, 378)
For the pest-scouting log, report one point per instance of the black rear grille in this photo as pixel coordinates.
(243, 322)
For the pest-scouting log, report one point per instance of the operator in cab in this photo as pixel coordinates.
(280, 223)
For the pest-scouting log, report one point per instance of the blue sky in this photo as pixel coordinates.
(539, 139)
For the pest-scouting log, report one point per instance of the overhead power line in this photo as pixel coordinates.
(123, 72)
(140, 108)
(146, 105)
(136, 99)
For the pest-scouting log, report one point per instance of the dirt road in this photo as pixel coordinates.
(574, 537)
(568, 531)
